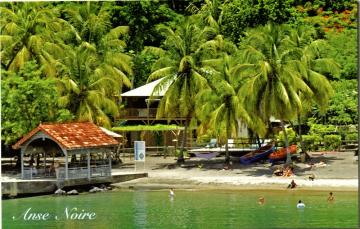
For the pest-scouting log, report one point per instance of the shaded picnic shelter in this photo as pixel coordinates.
(84, 150)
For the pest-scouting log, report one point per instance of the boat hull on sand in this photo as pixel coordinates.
(281, 153)
(258, 154)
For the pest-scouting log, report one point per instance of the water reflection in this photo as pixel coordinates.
(140, 209)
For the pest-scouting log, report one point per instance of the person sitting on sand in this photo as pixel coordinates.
(330, 198)
(312, 177)
(310, 165)
(292, 184)
(228, 166)
(278, 172)
(261, 200)
(320, 164)
(288, 172)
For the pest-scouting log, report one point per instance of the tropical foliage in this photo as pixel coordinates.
(29, 31)
(343, 49)
(343, 108)
(290, 60)
(219, 107)
(241, 14)
(179, 65)
(282, 71)
(27, 98)
(157, 127)
(96, 67)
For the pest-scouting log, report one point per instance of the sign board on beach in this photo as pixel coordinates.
(139, 150)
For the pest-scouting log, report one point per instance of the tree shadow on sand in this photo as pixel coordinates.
(257, 169)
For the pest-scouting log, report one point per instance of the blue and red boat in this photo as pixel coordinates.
(281, 154)
(261, 153)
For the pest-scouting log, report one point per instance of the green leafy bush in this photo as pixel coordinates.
(343, 49)
(27, 99)
(237, 15)
(332, 141)
(343, 107)
(312, 141)
(320, 129)
(185, 153)
(290, 134)
(351, 136)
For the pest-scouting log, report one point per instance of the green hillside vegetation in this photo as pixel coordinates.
(246, 60)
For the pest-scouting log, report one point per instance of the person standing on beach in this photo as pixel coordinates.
(292, 184)
(330, 198)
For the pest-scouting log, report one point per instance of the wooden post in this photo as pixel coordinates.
(110, 164)
(22, 162)
(66, 165)
(88, 164)
(45, 162)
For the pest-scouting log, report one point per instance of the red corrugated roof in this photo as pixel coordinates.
(72, 135)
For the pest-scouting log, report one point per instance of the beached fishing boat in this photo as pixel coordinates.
(281, 153)
(258, 154)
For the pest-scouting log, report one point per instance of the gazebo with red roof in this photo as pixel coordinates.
(70, 139)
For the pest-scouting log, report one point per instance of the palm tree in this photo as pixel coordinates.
(83, 92)
(273, 81)
(210, 13)
(312, 69)
(95, 69)
(179, 64)
(218, 106)
(29, 31)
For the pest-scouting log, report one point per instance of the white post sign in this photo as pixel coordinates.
(139, 150)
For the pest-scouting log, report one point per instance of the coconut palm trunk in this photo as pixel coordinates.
(228, 135)
(302, 143)
(258, 140)
(288, 156)
(180, 159)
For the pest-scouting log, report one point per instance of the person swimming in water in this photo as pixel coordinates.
(330, 198)
(261, 200)
(300, 204)
(171, 192)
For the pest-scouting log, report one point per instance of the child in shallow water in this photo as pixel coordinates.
(261, 200)
(331, 197)
(300, 204)
(171, 192)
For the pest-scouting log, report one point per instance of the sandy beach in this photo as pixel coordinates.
(340, 173)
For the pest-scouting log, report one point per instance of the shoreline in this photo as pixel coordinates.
(339, 173)
(195, 184)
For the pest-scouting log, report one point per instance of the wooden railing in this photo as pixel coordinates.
(141, 113)
(138, 113)
(100, 171)
(82, 172)
(31, 173)
(150, 151)
(73, 173)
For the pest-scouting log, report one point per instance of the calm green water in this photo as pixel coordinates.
(189, 209)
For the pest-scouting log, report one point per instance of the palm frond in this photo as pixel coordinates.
(160, 73)
(154, 50)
